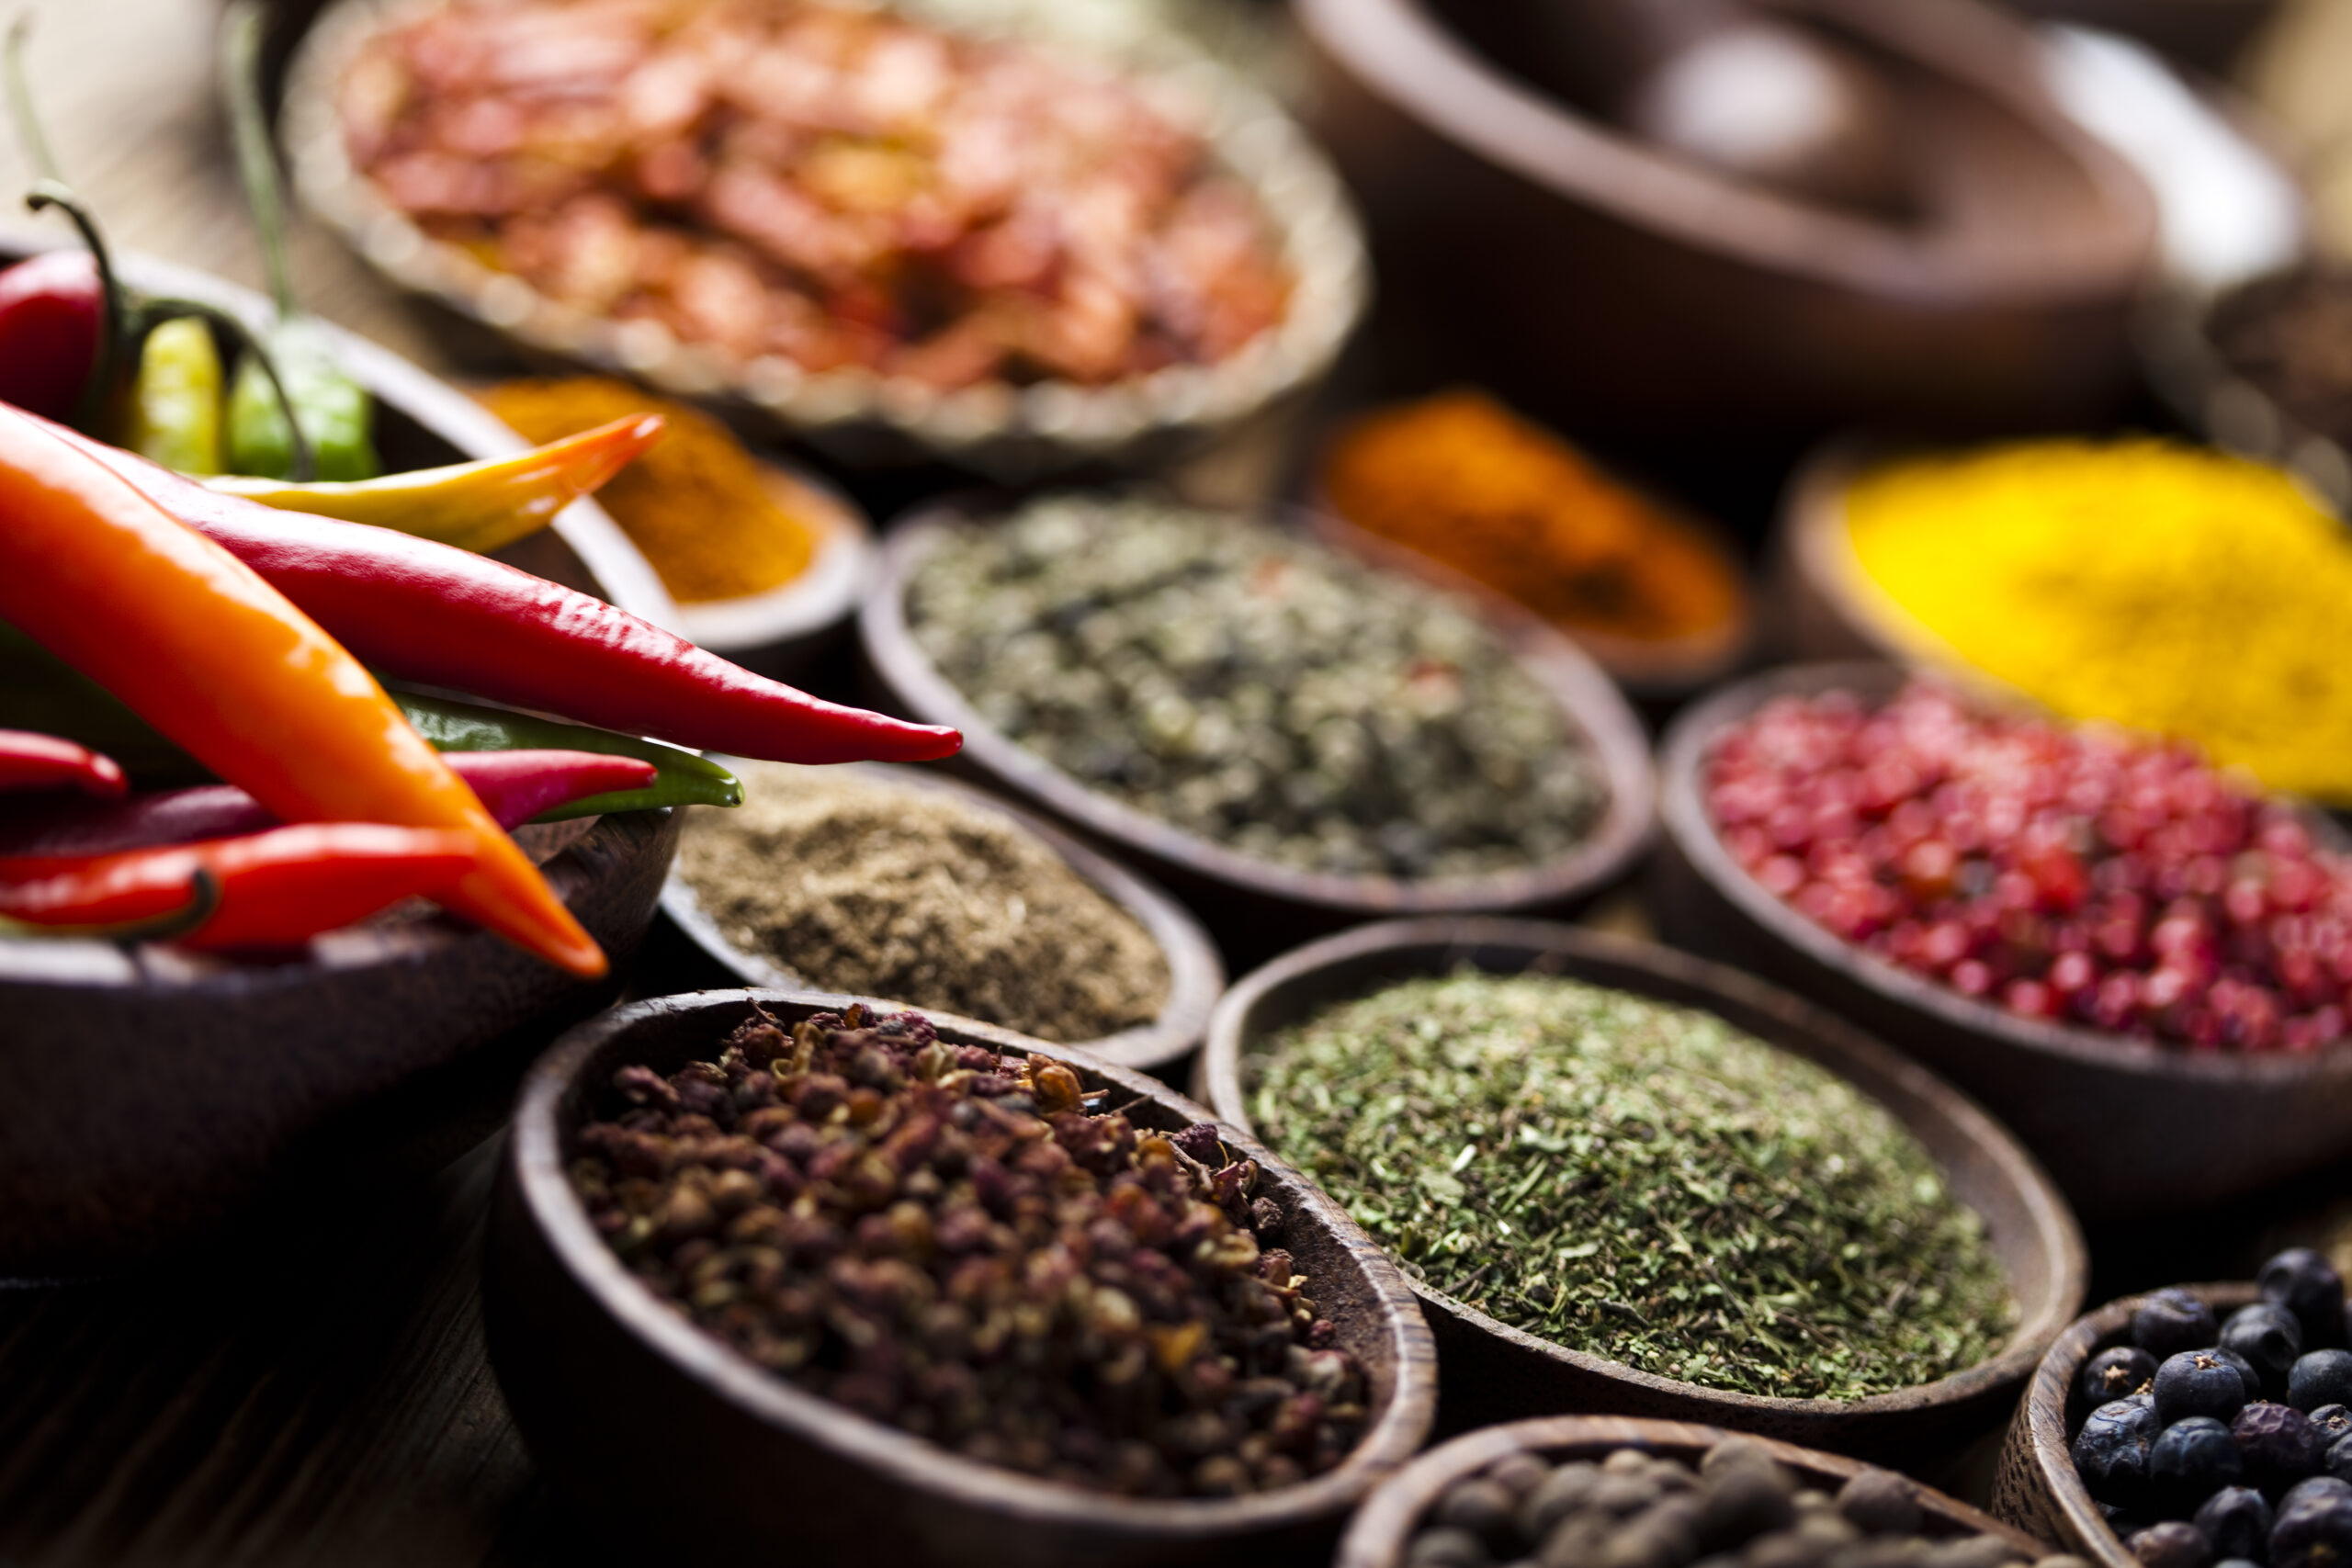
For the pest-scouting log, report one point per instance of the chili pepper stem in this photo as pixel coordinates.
(48, 193)
(155, 311)
(204, 899)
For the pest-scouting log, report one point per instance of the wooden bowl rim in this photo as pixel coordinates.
(2051, 1392)
(1377, 1535)
(1692, 735)
(537, 1161)
(1585, 695)
(1195, 973)
(1405, 55)
(2056, 1232)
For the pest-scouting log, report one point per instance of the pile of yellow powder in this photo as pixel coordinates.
(2159, 586)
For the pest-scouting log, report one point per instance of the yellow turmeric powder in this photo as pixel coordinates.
(1461, 479)
(2167, 587)
(696, 503)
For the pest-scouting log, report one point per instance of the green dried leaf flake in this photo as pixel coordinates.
(1642, 1181)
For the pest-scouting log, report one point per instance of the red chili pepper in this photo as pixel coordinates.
(30, 762)
(448, 617)
(275, 889)
(49, 309)
(515, 786)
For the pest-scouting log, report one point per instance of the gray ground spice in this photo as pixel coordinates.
(859, 885)
(1642, 1181)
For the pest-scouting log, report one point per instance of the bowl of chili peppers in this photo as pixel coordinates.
(2130, 957)
(854, 222)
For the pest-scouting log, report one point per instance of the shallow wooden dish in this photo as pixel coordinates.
(637, 1409)
(1541, 248)
(1195, 977)
(1256, 908)
(2126, 1126)
(1383, 1527)
(779, 631)
(1495, 1372)
(146, 1096)
(2036, 1488)
(1002, 430)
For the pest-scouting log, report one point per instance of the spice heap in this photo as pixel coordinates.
(887, 890)
(2206, 1441)
(1256, 689)
(2079, 875)
(696, 503)
(1642, 1181)
(2292, 336)
(826, 186)
(1642, 1510)
(960, 1243)
(2178, 591)
(1460, 478)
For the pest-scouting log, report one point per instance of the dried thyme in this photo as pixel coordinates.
(1637, 1181)
(1257, 689)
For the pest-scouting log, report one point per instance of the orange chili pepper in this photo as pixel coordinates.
(197, 643)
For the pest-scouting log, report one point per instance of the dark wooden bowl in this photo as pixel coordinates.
(1537, 246)
(146, 1096)
(1495, 1372)
(2126, 1126)
(1254, 906)
(2036, 1487)
(1196, 975)
(651, 1420)
(1383, 1527)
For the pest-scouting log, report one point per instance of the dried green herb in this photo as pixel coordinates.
(1637, 1181)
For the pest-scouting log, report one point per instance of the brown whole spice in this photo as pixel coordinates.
(962, 1245)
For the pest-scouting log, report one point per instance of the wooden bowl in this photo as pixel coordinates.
(1824, 605)
(1496, 1373)
(1005, 431)
(780, 631)
(145, 1095)
(2208, 34)
(1195, 977)
(638, 1410)
(1377, 1537)
(2126, 1126)
(2036, 1487)
(1538, 247)
(1256, 908)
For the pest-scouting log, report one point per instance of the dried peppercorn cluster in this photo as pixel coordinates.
(2076, 874)
(2208, 1441)
(1739, 1508)
(960, 1243)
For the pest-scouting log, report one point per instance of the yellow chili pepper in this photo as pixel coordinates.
(175, 411)
(479, 506)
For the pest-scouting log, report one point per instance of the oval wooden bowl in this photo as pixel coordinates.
(1495, 1372)
(1256, 908)
(2126, 1126)
(1196, 975)
(638, 1410)
(1377, 1537)
(2036, 1487)
(1521, 235)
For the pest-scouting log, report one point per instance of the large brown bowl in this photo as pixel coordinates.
(1495, 1372)
(1195, 977)
(1256, 908)
(146, 1096)
(1383, 1528)
(2036, 1487)
(2126, 1126)
(657, 1424)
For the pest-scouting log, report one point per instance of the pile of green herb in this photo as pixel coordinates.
(1640, 1181)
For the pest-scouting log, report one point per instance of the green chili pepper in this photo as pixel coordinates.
(331, 409)
(41, 692)
(173, 416)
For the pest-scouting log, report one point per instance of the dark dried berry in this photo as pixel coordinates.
(2191, 1460)
(2337, 1459)
(2246, 1370)
(2112, 1450)
(2236, 1522)
(2113, 1373)
(1878, 1502)
(2319, 1378)
(2313, 1531)
(2196, 1382)
(2270, 1339)
(2168, 1321)
(1738, 1503)
(2332, 1422)
(2314, 1486)
(1446, 1547)
(2278, 1443)
(2176, 1544)
(2306, 1284)
(1481, 1505)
